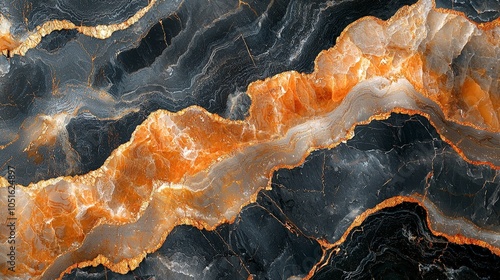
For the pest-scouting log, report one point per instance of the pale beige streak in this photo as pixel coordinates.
(99, 31)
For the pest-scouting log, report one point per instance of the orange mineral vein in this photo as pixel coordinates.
(193, 167)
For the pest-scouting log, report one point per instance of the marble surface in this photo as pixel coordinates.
(292, 227)
(251, 140)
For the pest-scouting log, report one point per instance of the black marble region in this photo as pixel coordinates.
(477, 10)
(395, 243)
(276, 236)
(57, 39)
(180, 53)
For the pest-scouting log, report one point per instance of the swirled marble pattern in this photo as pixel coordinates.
(87, 86)
(402, 145)
(232, 139)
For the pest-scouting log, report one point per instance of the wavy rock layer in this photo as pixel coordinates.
(176, 55)
(202, 169)
(314, 209)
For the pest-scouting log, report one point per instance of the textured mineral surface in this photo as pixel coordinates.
(278, 139)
